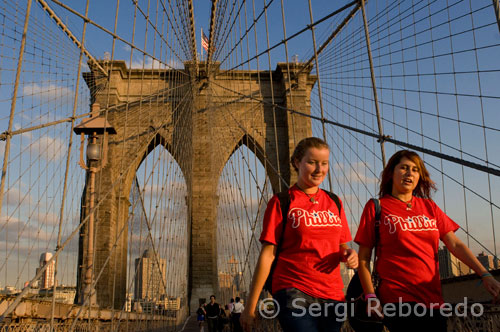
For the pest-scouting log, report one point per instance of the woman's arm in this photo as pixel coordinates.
(365, 278)
(462, 252)
(349, 256)
(266, 258)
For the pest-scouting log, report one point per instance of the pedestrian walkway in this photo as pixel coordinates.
(191, 325)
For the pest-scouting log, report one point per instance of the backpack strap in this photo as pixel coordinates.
(378, 209)
(334, 198)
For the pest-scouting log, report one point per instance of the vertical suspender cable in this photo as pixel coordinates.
(372, 72)
(272, 101)
(13, 104)
(320, 96)
(68, 158)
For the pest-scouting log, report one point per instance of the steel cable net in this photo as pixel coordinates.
(429, 70)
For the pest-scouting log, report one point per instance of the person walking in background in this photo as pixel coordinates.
(213, 311)
(200, 313)
(411, 225)
(230, 307)
(311, 232)
(235, 315)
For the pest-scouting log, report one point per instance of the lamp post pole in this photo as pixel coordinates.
(89, 292)
(93, 126)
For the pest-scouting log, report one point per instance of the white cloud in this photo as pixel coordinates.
(46, 90)
(150, 63)
(23, 230)
(357, 172)
(14, 197)
(49, 148)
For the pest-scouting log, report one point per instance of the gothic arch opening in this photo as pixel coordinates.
(157, 262)
(243, 192)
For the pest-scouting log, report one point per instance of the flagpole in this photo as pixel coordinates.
(201, 43)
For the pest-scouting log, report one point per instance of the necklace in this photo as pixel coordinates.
(408, 204)
(311, 197)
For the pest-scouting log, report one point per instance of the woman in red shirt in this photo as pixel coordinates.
(306, 281)
(411, 225)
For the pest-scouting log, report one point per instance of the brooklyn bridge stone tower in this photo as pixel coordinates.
(184, 116)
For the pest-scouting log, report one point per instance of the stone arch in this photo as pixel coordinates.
(253, 145)
(156, 141)
(140, 117)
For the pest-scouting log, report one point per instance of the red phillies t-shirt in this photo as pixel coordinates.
(309, 257)
(408, 248)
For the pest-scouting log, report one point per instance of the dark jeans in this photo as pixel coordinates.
(299, 312)
(431, 321)
(235, 318)
(212, 324)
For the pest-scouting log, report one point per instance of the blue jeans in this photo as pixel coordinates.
(300, 312)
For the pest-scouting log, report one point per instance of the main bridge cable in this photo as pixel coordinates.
(133, 46)
(456, 160)
(193, 35)
(334, 34)
(227, 31)
(71, 36)
(211, 33)
(247, 31)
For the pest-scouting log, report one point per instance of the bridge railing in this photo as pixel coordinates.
(33, 315)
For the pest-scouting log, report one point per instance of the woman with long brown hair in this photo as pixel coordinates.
(410, 228)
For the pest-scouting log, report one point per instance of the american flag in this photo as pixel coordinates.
(204, 41)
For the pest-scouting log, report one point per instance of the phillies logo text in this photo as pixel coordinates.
(314, 219)
(412, 224)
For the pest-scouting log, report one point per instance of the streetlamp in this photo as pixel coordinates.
(92, 126)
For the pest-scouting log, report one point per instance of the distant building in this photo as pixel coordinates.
(150, 279)
(128, 302)
(487, 261)
(450, 266)
(10, 290)
(47, 278)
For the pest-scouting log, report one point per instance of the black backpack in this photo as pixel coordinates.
(284, 199)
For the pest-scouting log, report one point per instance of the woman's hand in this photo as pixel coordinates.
(492, 286)
(350, 258)
(247, 319)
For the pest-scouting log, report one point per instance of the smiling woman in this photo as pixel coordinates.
(411, 225)
(304, 239)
